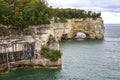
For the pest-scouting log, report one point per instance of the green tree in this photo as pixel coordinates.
(22, 13)
(46, 19)
(89, 13)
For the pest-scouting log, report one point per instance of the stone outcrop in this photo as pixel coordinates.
(23, 49)
(94, 29)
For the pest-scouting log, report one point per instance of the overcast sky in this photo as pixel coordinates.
(110, 9)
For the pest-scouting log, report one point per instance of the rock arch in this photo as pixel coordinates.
(80, 34)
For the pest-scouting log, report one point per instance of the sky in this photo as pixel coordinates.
(110, 9)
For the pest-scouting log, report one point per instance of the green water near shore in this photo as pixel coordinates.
(81, 60)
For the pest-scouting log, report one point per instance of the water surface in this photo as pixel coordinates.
(82, 60)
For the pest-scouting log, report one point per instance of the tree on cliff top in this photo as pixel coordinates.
(22, 13)
(75, 13)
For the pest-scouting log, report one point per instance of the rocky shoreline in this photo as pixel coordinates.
(24, 49)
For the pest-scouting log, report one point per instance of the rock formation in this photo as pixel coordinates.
(94, 29)
(23, 49)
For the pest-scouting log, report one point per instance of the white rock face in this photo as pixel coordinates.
(89, 28)
(94, 29)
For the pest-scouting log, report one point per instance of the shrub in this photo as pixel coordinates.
(56, 55)
(53, 56)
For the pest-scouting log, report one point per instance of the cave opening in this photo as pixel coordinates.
(64, 36)
(80, 35)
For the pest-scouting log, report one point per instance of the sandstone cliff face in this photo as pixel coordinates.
(94, 29)
(24, 49)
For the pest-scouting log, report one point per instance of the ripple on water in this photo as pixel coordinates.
(81, 60)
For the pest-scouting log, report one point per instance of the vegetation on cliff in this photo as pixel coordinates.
(52, 55)
(75, 13)
(22, 13)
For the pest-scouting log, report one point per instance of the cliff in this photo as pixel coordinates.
(37, 46)
(92, 29)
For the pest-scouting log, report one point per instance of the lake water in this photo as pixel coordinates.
(82, 60)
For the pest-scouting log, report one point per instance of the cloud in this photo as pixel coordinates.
(104, 5)
(111, 17)
(109, 8)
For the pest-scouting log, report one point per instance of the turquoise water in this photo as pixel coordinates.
(82, 60)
